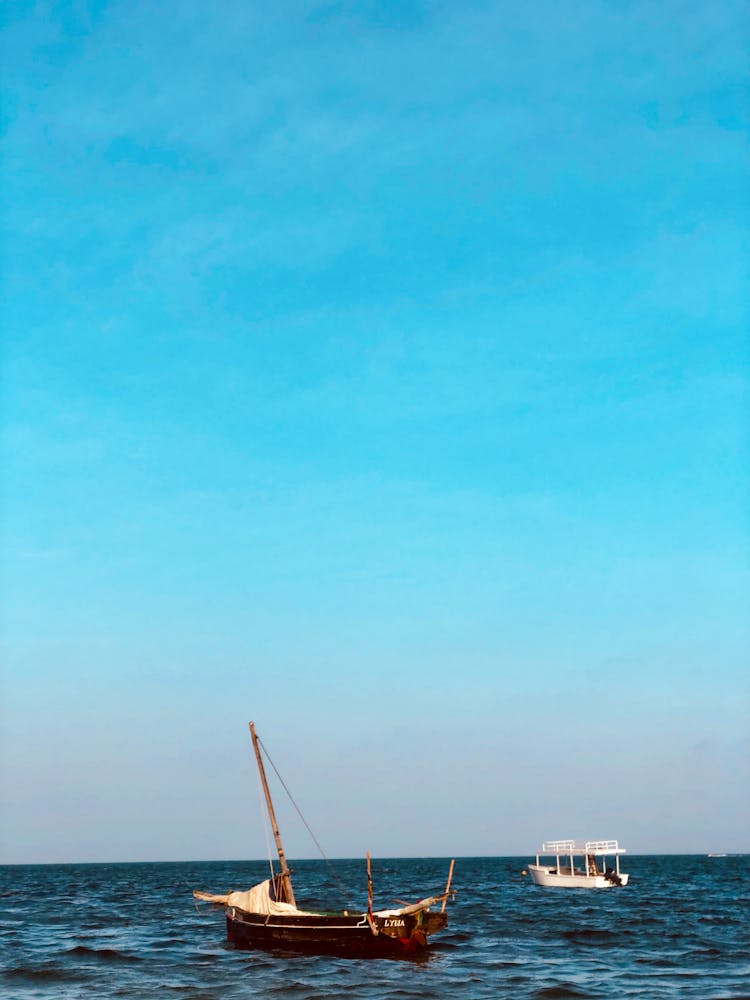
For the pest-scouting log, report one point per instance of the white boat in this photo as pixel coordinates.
(579, 866)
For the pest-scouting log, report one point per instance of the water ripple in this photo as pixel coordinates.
(677, 931)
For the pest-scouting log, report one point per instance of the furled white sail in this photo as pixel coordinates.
(255, 900)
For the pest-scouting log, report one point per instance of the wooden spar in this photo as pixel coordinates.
(448, 884)
(369, 883)
(286, 878)
(370, 919)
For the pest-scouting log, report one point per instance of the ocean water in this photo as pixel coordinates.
(680, 929)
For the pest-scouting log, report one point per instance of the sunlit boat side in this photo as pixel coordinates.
(579, 866)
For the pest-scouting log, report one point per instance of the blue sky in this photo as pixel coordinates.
(378, 372)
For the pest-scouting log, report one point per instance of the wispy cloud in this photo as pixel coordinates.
(405, 335)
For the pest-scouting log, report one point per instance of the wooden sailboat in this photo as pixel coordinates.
(267, 916)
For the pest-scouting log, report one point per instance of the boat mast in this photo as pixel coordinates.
(286, 878)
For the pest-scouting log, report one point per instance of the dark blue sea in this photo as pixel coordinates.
(681, 928)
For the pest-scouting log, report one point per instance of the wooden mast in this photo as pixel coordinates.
(448, 885)
(286, 879)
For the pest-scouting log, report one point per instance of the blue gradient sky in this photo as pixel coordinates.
(378, 372)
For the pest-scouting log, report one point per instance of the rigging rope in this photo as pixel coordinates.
(332, 870)
(264, 821)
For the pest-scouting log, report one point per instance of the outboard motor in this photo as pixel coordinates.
(612, 876)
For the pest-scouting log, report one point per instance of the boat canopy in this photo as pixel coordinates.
(594, 847)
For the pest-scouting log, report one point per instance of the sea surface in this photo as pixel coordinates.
(680, 929)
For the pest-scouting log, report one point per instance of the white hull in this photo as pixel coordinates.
(541, 875)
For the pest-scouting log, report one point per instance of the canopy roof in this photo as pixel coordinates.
(595, 847)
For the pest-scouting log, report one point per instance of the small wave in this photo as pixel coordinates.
(45, 973)
(561, 991)
(658, 961)
(458, 937)
(592, 935)
(706, 952)
(168, 942)
(104, 954)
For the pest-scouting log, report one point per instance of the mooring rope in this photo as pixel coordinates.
(332, 870)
